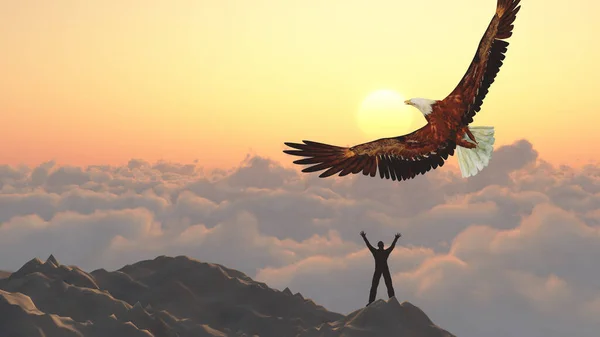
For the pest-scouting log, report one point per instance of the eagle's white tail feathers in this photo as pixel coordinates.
(471, 161)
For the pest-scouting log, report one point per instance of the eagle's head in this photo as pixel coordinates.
(423, 104)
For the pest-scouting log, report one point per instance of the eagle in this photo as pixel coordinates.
(404, 157)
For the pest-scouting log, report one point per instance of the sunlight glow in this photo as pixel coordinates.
(384, 114)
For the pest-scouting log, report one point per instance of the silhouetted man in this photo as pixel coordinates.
(381, 267)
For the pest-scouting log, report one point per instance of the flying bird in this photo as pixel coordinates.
(447, 128)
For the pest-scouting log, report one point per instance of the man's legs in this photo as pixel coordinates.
(388, 282)
(374, 285)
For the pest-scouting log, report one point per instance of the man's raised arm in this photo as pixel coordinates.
(364, 236)
(391, 247)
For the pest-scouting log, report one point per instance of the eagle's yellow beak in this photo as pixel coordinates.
(407, 102)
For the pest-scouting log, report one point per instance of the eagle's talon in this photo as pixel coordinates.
(471, 136)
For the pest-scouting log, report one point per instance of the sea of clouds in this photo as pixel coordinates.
(513, 251)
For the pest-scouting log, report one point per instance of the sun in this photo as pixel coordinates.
(384, 114)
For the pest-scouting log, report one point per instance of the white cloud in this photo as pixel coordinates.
(512, 251)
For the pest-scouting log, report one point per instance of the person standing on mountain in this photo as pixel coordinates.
(381, 267)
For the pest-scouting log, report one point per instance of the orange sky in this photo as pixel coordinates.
(100, 82)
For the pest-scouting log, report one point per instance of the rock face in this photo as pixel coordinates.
(179, 296)
(381, 318)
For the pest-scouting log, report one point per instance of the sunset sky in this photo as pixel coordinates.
(100, 82)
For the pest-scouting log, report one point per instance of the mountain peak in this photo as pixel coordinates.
(389, 318)
(29, 267)
(52, 260)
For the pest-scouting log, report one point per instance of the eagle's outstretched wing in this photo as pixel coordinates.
(474, 86)
(398, 158)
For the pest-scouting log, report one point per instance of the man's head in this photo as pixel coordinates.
(380, 244)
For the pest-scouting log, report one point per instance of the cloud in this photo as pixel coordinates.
(81, 238)
(541, 273)
(512, 251)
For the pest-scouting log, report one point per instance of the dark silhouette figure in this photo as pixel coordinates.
(381, 267)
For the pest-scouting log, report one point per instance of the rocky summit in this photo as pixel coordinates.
(181, 297)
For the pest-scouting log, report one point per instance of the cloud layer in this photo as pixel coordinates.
(512, 251)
